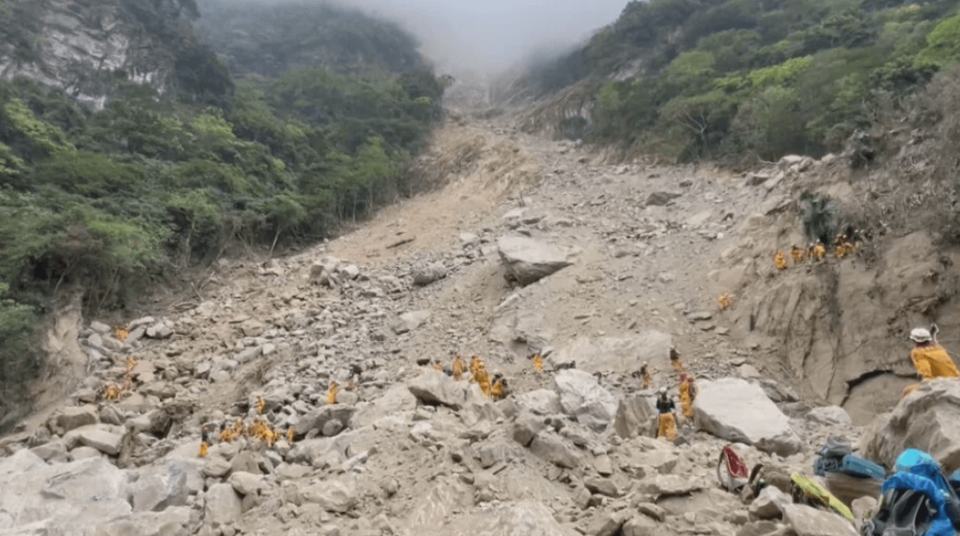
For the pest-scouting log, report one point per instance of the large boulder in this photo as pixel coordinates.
(635, 417)
(541, 402)
(551, 448)
(583, 397)
(161, 487)
(318, 418)
(807, 521)
(66, 498)
(222, 506)
(925, 420)
(337, 496)
(424, 275)
(735, 410)
(434, 387)
(529, 260)
(616, 354)
(76, 416)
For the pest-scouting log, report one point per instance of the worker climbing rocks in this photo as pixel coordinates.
(675, 361)
(666, 420)
(645, 376)
(437, 365)
(797, 254)
(482, 377)
(458, 367)
(929, 358)
(818, 251)
(499, 389)
(353, 377)
(538, 362)
(688, 392)
(780, 260)
(474, 366)
(332, 393)
(204, 443)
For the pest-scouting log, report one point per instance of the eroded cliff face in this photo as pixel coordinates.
(84, 47)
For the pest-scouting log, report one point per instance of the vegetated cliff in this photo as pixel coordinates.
(270, 39)
(747, 79)
(87, 48)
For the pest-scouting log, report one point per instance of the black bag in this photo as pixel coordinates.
(901, 513)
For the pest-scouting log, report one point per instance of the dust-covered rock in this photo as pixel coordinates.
(435, 387)
(736, 410)
(922, 420)
(584, 398)
(529, 260)
(807, 521)
(430, 273)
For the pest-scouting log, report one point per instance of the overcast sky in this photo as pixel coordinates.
(494, 34)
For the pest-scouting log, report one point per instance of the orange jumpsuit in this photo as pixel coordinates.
(686, 398)
(646, 380)
(497, 392)
(666, 422)
(332, 395)
(458, 368)
(931, 361)
(678, 366)
(483, 380)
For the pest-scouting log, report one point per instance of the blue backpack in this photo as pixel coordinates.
(916, 501)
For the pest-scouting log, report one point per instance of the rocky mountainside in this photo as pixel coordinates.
(531, 245)
(270, 39)
(88, 49)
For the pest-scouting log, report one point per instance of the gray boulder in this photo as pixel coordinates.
(161, 487)
(732, 409)
(337, 496)
(408, 322)
(635, 417)
(659, 199)
(222, 506)
(923, 420)
(551, 448)
(528, 518)
(830, 416)
(435, 387)
(76, 416)
(318, 418)
(665, 485)
(807, 521)
(541, 402)
(622, 355)
(528, 260)
(584, 398)
(431, 273)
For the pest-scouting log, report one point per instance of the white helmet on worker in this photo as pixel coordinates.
(663, 390)
(920, 335)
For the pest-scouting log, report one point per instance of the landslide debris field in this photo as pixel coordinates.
(609, 266)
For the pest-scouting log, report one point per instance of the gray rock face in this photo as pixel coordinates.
(318, 418)
(616, 354)
(830, 416)
(74, 417)
(635, 417)
(541, 402)
(526, 427)
(338, 496)
(34, 494)
(769, 504)
(584, 398)
(550, 447)
(669, 485)
(607, 523)
(431, 273)
(408, 322)
(435, 387)
(245, 483)
(923, 420)
(807, 521)
(659, 199)
(735, 410)
(159, 488)
(222, 506)
(527, 518)
(639, 526)
(529, 260)
(101, 440)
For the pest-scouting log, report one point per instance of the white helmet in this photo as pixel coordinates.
(663, 390)
(920, 335)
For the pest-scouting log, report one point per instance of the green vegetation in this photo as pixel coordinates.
(113, 200)
(752, 79)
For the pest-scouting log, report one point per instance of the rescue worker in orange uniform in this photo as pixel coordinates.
(644, 375)
(482, 378)
(474, 366)
(930, 359)
(458, 368)
(204, 443)
(666, 418)
(499, 389)
(332, 393)
(675, 361)
(687, 394)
